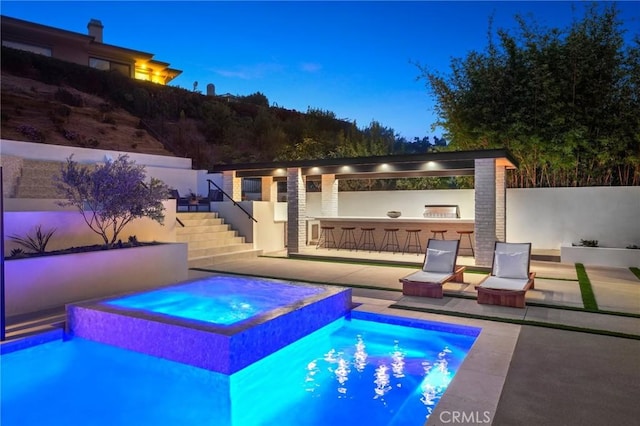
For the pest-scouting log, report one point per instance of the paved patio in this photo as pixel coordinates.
(549, 363)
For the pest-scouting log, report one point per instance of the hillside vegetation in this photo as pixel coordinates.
(51, 101)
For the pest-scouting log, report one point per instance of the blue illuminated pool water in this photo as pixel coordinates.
(352, 371)
(221, 300)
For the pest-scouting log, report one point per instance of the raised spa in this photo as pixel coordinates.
(221, 323)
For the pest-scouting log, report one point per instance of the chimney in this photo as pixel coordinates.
(95, 29)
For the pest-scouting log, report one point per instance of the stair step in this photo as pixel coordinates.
(205, 229)
(216, 242)
(210, 240)
(42, 165)
(36, 192)
(37, 178)
(200, 262)
(199, 215)
(206, 236)
(202, 222)
(213, 251)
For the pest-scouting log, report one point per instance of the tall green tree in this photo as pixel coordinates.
(564, 101)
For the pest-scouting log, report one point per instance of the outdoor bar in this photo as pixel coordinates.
(477, 232)
(441, 228)
(395, 233)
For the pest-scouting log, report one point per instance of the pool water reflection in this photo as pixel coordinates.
(367, 368)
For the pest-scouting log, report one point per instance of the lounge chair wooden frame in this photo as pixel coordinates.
(433, 289)
(506, 297)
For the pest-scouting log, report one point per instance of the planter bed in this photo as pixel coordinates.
(600, 256)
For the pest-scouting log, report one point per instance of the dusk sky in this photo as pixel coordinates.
(355, 59)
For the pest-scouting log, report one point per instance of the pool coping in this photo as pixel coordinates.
(472, 396)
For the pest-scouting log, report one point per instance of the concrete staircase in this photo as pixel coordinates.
(36, 179)
(211, 241)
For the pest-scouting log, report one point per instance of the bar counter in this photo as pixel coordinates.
(402, 224)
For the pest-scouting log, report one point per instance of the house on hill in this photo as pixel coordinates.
(84, 49)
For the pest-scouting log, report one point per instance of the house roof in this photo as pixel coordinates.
(448, 163)
(14, 29)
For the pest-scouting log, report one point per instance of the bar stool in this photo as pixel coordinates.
(439, 231)
(367, 240)
(391, 239)
(468, 234)
(348, 238)
(326, 237)
(412, 241)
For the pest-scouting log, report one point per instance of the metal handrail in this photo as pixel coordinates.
(235, 203)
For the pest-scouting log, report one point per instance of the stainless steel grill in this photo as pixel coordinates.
(441, 211)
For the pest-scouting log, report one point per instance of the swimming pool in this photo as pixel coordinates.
(366, 368)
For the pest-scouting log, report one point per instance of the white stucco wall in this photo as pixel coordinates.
(546, 217)
(378, 203)
(71, 229)
(268, 234)
(551, 217)
(38, 283)
(176, 172)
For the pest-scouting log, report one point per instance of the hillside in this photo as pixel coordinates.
(37, 112)
(52, 101)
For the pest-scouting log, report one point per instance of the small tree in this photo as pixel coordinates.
(111, 195)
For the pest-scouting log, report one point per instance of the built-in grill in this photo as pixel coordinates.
(441, 210)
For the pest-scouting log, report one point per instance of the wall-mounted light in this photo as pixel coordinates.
(431, 165)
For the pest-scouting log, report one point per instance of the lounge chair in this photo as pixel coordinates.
(438, 268)
(510, 276)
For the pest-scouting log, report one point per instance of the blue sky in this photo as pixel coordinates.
(356, 59)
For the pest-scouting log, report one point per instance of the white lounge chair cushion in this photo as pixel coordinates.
(498, 283)
(512, 265)
(428, 277)
(439, 261)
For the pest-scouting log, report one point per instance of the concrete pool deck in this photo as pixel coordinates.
(549, 363)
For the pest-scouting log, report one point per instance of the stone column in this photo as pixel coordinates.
(269, 189)
(296, 210)
(232, 185)
(485, 210)
(501, 203)
(329, 195)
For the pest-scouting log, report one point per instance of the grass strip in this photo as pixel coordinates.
(636, 271)
(588, 298)
(519, 322)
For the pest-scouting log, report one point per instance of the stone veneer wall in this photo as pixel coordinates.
(232, 185)
(329, 195)
(296, 210)
(485, 202)
(501, 204)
